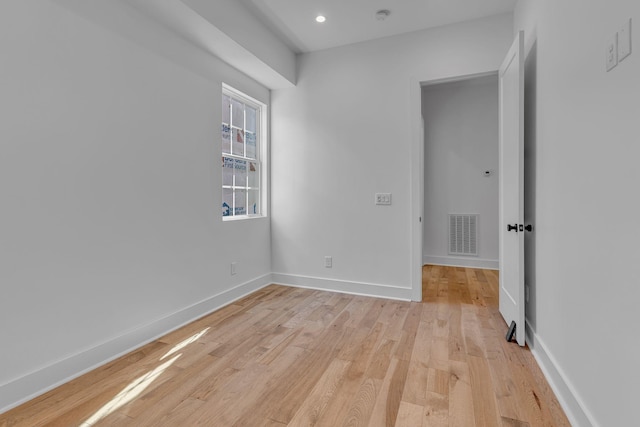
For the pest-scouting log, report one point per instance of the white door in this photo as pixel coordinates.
(511, 81)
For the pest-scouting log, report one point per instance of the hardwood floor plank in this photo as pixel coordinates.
(392, 317)
(116, 420)
(274, 352)
(457, 349)
(279, 377)
(362, 407)
(510, 422)
(349, 405)
(338, 409)
(379, 364)
(289, 357)
(358, 309)
(380, 416)
(422, 346)
(415, 388)
(436, 410)
(409, 415)
(306, 307)
(234, 399)
(180, 414)
(438, 381)
(212, 383)
(359, 350)
(308, 371)
(395, 391)
(410, 326)
(504, 388)
(439, 353)
(374, 312)
(460, 396)
(484, 400)
(322, 393)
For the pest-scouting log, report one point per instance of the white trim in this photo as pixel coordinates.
(343, 286)
(39, 382)
(489, 264)
(242, 217)
(565, 392)
(459, 78)
(416, 208)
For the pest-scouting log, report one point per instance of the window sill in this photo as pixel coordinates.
(241, 217)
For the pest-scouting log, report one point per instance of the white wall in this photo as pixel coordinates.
(583, 134)
(234, 19)
(345, 133)
(460, 144)
(110, 181)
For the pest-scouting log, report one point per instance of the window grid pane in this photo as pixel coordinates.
(226, 124)
(241, 167)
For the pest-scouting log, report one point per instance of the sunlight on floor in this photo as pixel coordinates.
(129, 393)
(185, 343)
(135, 388)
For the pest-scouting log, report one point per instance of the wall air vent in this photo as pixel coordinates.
(463, 234)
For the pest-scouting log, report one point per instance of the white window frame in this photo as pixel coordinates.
(260, 160)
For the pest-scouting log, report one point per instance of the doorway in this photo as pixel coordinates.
(416, 212)
(511, 84)
(460, 168)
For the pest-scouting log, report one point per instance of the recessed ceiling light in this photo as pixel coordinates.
(320, 18)
(382, 14)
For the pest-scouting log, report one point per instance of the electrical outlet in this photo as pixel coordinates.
(234, 268)
(383, 198)
(328, 262)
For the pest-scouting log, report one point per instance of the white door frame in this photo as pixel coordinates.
(416, 211)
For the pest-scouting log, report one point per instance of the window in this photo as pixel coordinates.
(243, 127)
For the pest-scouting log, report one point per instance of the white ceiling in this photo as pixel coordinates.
(351, 21)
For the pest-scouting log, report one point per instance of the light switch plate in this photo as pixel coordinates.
(383, 198)
(624, 40)
(611, 52)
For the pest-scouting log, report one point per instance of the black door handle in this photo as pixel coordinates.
(529, 227)
(513, 227)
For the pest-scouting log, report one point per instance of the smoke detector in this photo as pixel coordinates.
(382, 14)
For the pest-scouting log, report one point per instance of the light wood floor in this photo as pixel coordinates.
(296, 357)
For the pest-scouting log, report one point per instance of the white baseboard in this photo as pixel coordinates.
(572, 404)
(488, 264)
(38, 382)
(343, 286)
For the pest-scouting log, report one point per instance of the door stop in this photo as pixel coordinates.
(511, 332)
